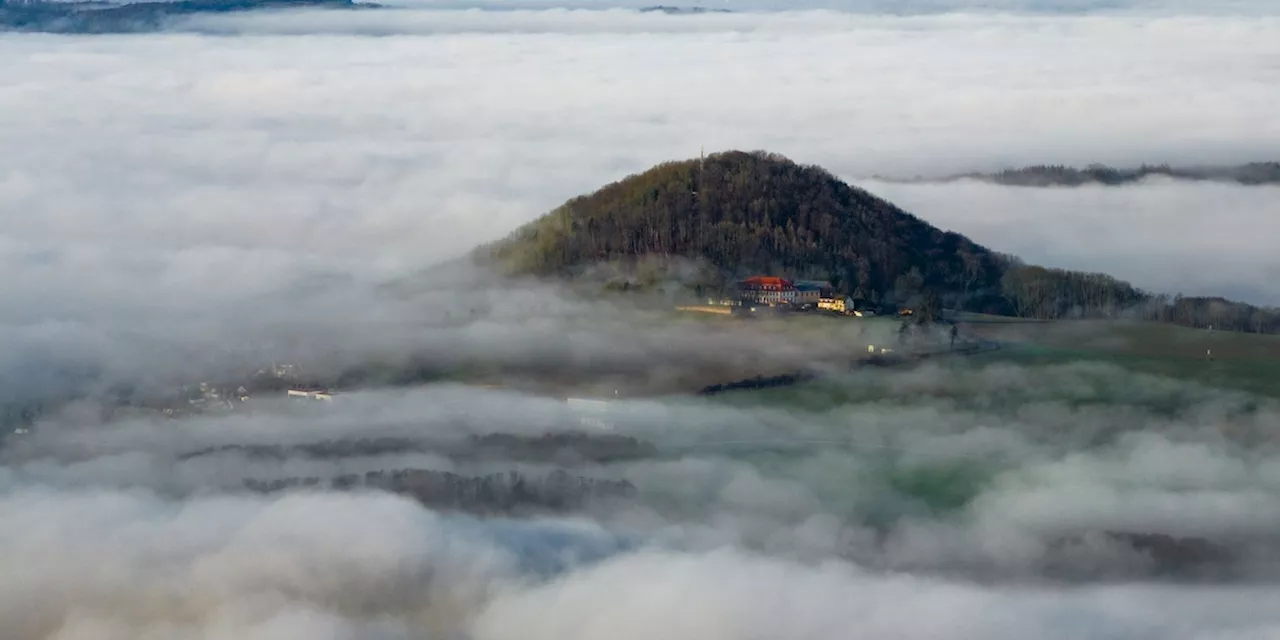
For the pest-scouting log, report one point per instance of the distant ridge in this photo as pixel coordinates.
(659, 8)
(1251, 174)
(96, 17)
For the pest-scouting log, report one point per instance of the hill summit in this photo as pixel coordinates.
(751, 213)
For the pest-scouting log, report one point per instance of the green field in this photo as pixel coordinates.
(1225, 359)
(1239, 362)
(1148, 339)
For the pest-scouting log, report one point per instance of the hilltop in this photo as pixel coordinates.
(750, 213)
(737, 213)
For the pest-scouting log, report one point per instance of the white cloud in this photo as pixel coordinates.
(96, 554)
(728, 596)
(339, 566)
(1164, 236)
(1036, 470)
(101, 564)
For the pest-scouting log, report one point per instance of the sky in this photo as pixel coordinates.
(236, 188)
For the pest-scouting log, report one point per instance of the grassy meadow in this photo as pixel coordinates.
(1215, 359)
(1231, 360)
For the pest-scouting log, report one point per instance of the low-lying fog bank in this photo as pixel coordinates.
(1125, 485)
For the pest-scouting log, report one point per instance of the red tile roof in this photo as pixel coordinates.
(768, 282)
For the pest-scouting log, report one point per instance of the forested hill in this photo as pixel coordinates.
(752, 213)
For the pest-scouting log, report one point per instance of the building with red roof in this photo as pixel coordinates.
(770, 290)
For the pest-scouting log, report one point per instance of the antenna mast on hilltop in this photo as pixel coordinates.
(702, 162)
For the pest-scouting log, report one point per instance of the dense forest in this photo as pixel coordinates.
(489, 494)
(1256, 173)
(1050, 294)
(752, 213)
(749, 213)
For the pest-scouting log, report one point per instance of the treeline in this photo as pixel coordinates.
(488, 494)
(1051, 294)
(1216, 313)
(1256, 173)
(682, 10)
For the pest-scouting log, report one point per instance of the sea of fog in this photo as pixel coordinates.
(239, 191)
(972, 501)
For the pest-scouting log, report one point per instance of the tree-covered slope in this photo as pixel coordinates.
(754, 213)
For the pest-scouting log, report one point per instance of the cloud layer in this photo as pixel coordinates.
(1162, 235)
(184, 203)
(739, 527)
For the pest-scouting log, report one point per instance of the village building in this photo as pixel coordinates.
(811, 291)
(592, 413)
(725, 301)
(845, 305)
(838, 304)
(769, 290)
(312, 394)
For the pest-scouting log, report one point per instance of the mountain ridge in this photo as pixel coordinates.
(98, 17)
(1056, 175)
